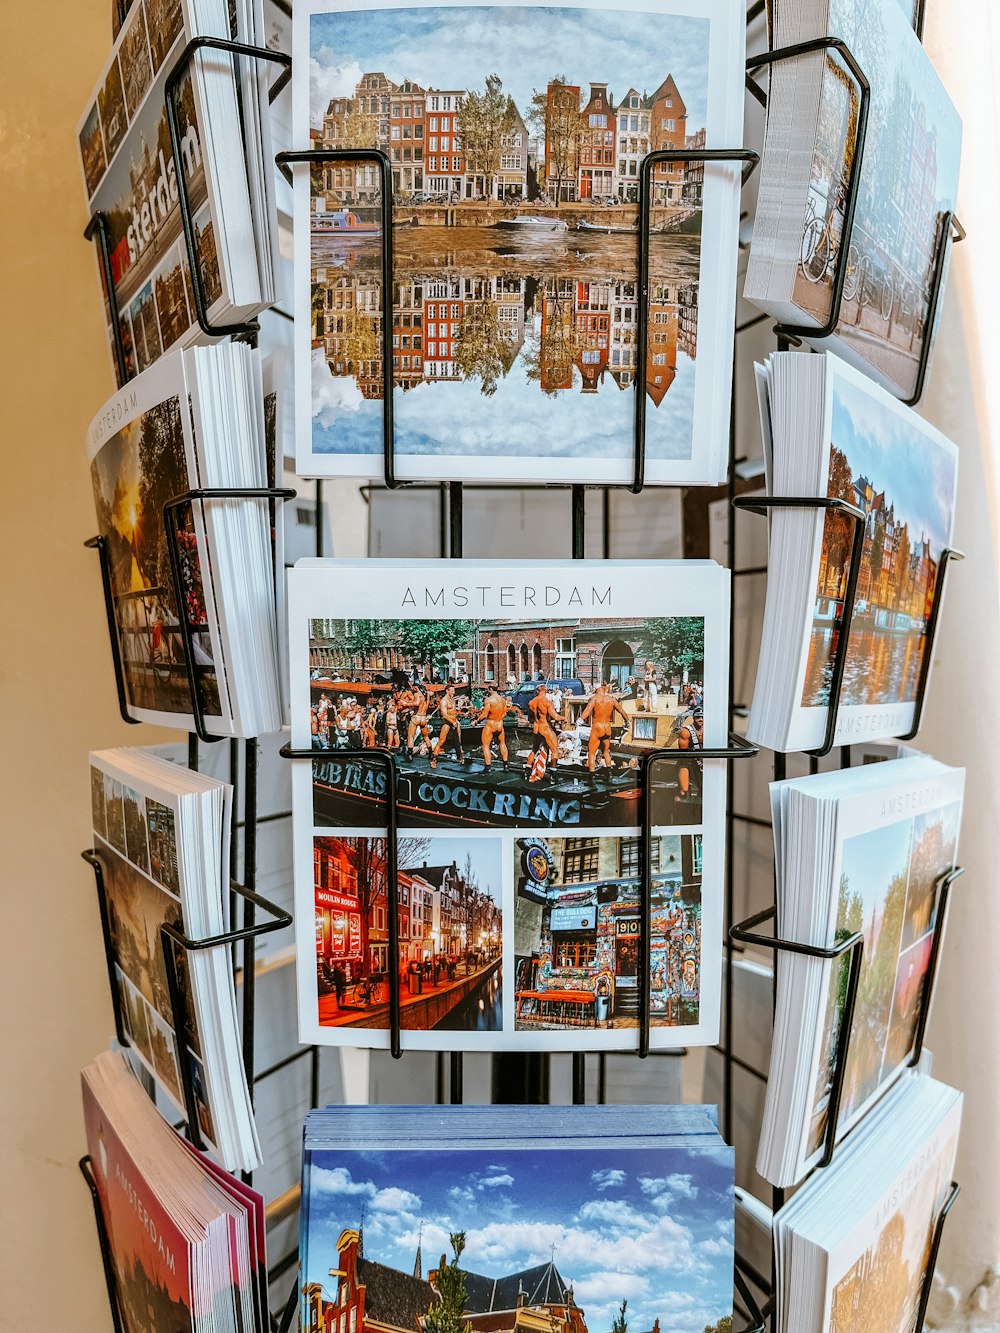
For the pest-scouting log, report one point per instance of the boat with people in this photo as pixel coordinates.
(344, 221)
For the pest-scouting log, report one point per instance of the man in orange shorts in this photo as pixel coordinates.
(543, 714)
(494, 711)
(601, 714)
(450, 725)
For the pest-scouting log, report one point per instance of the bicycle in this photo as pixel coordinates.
(368, 991)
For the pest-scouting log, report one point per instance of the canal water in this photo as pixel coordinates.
(482, 1011)
(882, 667)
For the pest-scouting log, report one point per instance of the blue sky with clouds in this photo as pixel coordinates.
(653, 1227)
(889, 448)
(526, 45)
(486, 853)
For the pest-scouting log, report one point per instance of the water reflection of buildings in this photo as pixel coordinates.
(456, 326)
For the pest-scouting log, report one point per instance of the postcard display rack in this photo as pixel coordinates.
(516, 1078)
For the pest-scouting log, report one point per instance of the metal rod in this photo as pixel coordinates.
(102, 1236)
(649, 163)
(99, 545)
(579, 1078)
(98, 226)
(318, 157)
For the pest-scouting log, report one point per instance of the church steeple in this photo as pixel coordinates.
(418, 1262)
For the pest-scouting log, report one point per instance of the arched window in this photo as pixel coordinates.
(491, 662)
(536, 660)
(524, 660)
(511, 661)
(618, 663)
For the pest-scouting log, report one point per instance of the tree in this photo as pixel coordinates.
(447, 1315)
(675, 643)
(482, 123)
(556, 111)
(365, 636)
(484, 349)
(723, 1325)
(620, 1322)
(428, 642)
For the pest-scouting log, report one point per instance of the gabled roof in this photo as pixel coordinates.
(669, 89)
(392, 1297)
(541, 1285)
(434, 875)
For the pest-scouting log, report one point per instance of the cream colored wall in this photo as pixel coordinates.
(58, 697)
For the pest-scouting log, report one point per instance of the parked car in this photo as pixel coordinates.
(522, 694)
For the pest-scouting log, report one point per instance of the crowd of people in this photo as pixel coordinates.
(405, 716)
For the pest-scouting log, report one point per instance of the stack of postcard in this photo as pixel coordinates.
(515, 136)
(860, 850)
(161, 833)
(186, 1240)
(829, 431)
(559, 1218)
(852, 1247)
(132, 175)
(909, 179)
(519, 704)
(195, 420)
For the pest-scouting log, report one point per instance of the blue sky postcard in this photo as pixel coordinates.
(532, 1240)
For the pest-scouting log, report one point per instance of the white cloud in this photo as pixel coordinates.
(337, 1180)
(332, 395)
(664, 1191)
(461, 1194)
(328, 80)
(395, 1200)
(614, 1214)
(609, 1287)
(607, 1178)
(715, 1247)
(494, 1182)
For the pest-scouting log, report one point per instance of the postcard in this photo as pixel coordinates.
(876, 1274)
(515, 135)
(504, 730)
(909, 177)
(887, 873)
(136, 841)
(903, 475)
(564, 1237)
(141, 452)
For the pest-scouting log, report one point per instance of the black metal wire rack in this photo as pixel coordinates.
(517, 1078)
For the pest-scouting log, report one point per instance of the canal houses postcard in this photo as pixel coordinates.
(868, 450)
(514, 136)
(906, 192)
(131, 179)
(517, 732)
(412, 1226)
(860, 850)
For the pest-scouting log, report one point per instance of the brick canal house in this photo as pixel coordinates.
(370, 1297)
